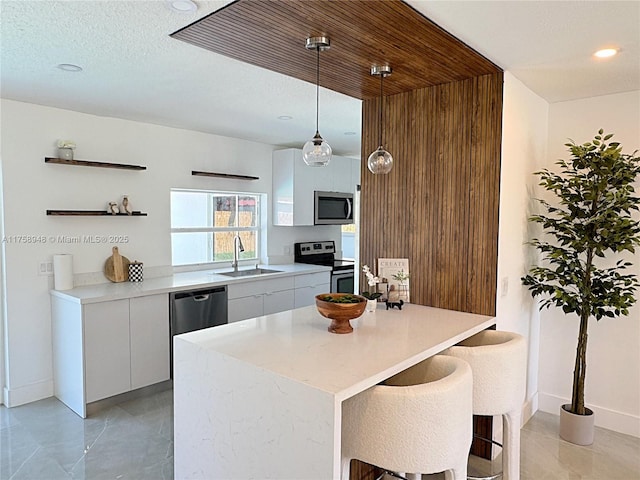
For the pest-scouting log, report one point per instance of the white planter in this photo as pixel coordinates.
(577, 429)
(372, 305)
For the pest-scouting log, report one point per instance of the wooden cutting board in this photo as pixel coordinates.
(116, 268)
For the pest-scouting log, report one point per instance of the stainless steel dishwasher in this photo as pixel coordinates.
(195, 310)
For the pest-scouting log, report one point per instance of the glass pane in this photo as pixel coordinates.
(349, 241)
(248, 211)
(191, 247)
(224, 207)
(190, 209)
(223, 248)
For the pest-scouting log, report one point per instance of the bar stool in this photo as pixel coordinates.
(499, 363)
(418, 421)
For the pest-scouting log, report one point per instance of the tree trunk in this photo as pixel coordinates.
(580, 369)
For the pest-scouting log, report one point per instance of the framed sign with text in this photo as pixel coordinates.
(395, 273)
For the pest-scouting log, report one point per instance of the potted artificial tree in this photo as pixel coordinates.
(591, 219)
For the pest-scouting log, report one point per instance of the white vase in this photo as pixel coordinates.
(372, 305)
(65, 153)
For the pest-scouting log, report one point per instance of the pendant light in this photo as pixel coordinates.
(380, 161)
(317, 152)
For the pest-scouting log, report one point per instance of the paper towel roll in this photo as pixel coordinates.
(63, 271)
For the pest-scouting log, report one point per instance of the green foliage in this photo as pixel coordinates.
(593, 216)
(371, 295)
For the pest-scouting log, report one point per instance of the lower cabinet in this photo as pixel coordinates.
(264, 297)
(310, 285)
(260, 297)
(149, 340)
(107, 348)
(107, 360)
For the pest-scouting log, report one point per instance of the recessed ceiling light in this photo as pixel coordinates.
(606, 52)
(285, 117)
(182, 6)
(349, 133)
(69, 67)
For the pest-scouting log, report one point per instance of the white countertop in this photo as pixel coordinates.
(177, 282)
(297, 345)
(262, 398)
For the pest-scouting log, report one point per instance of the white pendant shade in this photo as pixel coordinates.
(380, 161)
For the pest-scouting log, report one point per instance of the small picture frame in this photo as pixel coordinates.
(395, 273)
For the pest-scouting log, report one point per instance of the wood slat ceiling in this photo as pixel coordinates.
(271, 34)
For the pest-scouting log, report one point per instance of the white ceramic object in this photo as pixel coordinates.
(418, 422)
(499, 364)
(372, 305)
(577, 429)
(65, 153)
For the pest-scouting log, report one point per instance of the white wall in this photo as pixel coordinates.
(613, 352)
(30, 187)
(524, 146)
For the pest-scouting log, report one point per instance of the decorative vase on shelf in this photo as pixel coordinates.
(372, 305)
(65, 153)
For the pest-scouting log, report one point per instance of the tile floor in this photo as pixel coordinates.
(134, 440)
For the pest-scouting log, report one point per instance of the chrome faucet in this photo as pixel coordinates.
(237, 248)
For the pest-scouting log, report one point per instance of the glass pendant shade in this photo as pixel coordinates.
(380, 161)
(316, 152)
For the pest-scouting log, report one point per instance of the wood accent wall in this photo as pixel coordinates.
(439, 205)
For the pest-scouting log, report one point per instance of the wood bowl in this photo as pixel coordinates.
(340, 313)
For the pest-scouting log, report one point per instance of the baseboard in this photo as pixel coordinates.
(528, 409)
(13, 397)
(606, 418)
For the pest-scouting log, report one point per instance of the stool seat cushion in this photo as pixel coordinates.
(419, 421)
(498, 361)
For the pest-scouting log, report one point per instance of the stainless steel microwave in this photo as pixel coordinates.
(333, 208)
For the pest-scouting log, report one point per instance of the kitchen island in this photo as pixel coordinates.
(262, 398)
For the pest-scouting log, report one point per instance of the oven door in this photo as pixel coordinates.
(342, 282)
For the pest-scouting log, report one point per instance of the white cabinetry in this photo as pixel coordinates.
(107, 348)
(149, 339)
(264, 297)
(308, 286)
(260, 297)
(294, 184)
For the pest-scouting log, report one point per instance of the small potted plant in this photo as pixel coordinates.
(372, 296)
(589, 222)
(65, 149)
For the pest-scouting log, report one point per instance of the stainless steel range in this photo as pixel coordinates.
(323, 253)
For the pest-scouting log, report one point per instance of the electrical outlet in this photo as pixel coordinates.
(286, 250)
(45, 268)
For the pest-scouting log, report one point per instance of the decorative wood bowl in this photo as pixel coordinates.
(340, 313)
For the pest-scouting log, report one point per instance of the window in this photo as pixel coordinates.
(204, 224)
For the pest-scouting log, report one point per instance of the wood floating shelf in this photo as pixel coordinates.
(223, 175)
(93, 213)
(87, 163)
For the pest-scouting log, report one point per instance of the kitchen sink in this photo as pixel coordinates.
(249, 272)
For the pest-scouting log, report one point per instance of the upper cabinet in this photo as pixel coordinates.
(294, 184)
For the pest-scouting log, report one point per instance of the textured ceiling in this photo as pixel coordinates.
(134, 70)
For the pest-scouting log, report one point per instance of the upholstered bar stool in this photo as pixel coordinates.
(418, 421)
(499, 364)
